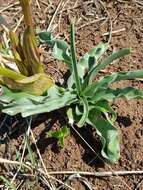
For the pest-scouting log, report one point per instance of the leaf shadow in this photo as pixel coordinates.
(43, 142)
(50, 120)
(91, 157)
(14, 127)
(124, 121)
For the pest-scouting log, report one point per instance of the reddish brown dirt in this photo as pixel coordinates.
(76, 155)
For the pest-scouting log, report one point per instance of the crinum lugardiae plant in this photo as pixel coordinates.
(91, 104)
(87, 100)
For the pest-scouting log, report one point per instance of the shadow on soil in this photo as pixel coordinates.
(124, 121)
(89, 134)
(13, 127)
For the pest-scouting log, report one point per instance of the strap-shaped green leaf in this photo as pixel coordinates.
(104, 63)
(110, 94)
(85, 112)
(46, 37)
(102, 94)
(60, 47)
(104, 107)
(61, 51)
(104, 82)
(129, 93)
(109, 137)
(13, 103)
(89, 60)
(74, 61)
(9, 97)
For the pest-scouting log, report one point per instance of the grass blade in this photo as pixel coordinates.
(31, 153)
(8, 183)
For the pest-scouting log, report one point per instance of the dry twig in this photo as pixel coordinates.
(46, 173)
(38, 4)
(23, 153)
(99, 174)
(9, 6)
(92, 22)
(56, 11)
(18, 24)
(139, 185)
(110, 20)
(5, 161)
(114, 32)
(61, 12)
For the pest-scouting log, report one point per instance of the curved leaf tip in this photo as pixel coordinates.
(109, 137)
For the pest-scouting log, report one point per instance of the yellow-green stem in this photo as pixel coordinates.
(29, 41)
(25, 4)
(11, 74)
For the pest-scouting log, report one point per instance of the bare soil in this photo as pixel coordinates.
(127, 19)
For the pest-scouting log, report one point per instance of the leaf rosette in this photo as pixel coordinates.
(87, 100)
(92, 106)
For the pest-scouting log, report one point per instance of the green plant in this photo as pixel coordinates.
(60, 134)
(29, 76)
(93, 96)
(87, 100)
(8, 183)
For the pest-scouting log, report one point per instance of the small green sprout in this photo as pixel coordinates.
(60, 134)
